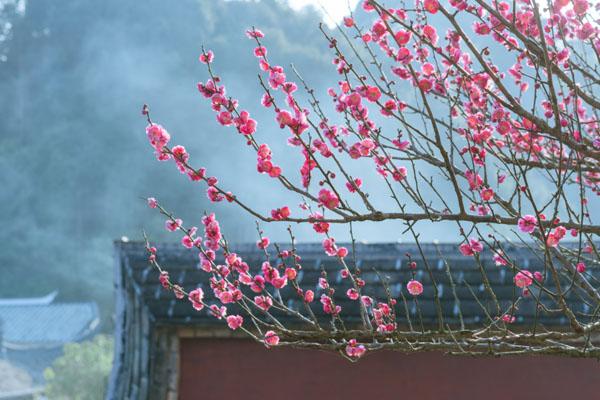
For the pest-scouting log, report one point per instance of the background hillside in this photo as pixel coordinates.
(74, 162)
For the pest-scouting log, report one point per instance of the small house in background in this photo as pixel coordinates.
(33, 332)
(164, 349)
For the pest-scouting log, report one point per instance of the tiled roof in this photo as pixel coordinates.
(387, 259)
(27, 326)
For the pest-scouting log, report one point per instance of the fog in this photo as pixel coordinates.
(75, 165)
(74, 162)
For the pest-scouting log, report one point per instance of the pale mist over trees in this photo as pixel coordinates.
(74, 165)
(74, 162)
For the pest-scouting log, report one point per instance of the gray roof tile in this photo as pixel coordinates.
(388, 259)
(46, 325)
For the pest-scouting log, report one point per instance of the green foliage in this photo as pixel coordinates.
(82, 372)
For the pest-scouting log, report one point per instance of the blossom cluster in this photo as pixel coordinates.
(490, 149)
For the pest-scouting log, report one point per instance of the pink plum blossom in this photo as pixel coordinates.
(234, 321)
(187, 242)
(271, 339)
(523, 279)
(263, 243)
(152, 202)
(309, 296)
(499, 258)
(355, 349)
(328, 199)
(432, 6)
(352, 294)
(158, 136)
(356, 183)
(556, 236)
(196, 297)
(173, 224)
(290, 273)
(486, 194)
(471, 248)
(280, 213)
(263, 302)
(366, 300)
(207, 57)
(414, 287)
(527, 223)
(509, 319)
(254, 33)
(218, 312)
(328, 305)
(164, 279)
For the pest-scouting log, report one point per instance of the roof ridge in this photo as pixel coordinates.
(42, 300)
(65, 303)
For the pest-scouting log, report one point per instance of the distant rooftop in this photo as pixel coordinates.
(34, 331)
(41, 323)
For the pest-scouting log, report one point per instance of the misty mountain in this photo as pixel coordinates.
(75, 165)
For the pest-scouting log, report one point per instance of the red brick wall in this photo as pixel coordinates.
(236, 369)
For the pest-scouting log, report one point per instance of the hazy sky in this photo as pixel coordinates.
(332, 10)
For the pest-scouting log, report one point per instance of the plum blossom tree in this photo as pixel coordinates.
(502, 102)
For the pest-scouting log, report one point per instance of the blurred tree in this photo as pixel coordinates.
(82, 372)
